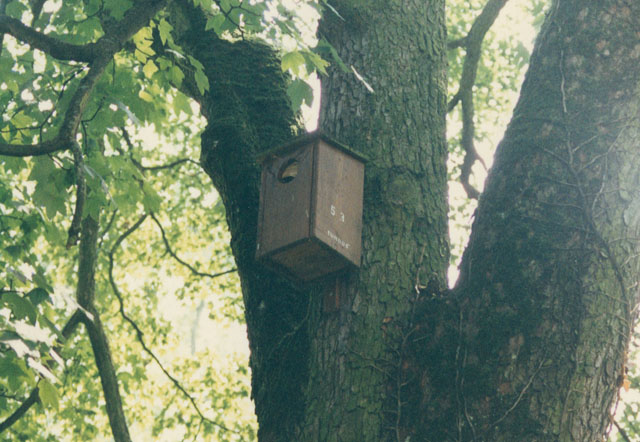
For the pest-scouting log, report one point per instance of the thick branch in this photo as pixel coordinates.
(50, 45)
(20, 411)
(134, 19)
(81, 193)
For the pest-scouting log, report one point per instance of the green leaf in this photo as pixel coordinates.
(117, 8)
(20, 307)
(146, 96)
(47, 197)
(299, 92)
(9, 367)
(202, 81)
(42, 168)
(176, 75)
(15, 9)
(38, 295)
(48, 394)
(149, 69)
(316, 62)
(292, 61)
(151, 200)
(215, 23)
(182, 103)
(21, 120)
(164, 29)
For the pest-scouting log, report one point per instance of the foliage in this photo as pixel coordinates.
(138, 134)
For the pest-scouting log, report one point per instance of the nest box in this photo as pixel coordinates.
(310, 219)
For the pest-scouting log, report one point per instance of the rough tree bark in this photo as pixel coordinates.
(549, 283)
(317, 375)
(530, 344)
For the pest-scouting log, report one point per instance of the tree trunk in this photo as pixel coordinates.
(397, 119)
(549, 281)
(530, 345)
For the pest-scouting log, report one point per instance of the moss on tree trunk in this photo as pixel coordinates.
(530, 344)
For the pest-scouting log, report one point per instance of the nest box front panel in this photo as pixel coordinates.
(285, 200)
(338, 194)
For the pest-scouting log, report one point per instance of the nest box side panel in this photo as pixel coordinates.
(338, 198)
(285, 199)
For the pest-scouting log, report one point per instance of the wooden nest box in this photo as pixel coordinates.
(310, 219)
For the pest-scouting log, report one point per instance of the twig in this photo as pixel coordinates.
(177, 258)
(522, 392)
(36, 10)
(623, 433)
(138, 164)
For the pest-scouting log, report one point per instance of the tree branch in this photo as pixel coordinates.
(50, 45)
(473, 46)
(135, 18)
(20, 411)
(142, 168)
(81, 194)
(623, 433)
(36, 10)
(187, 265)
(458, 43)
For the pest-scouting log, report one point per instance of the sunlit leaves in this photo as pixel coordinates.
(164, 30)
(292, 61)
(149, 69)
(143, 40)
